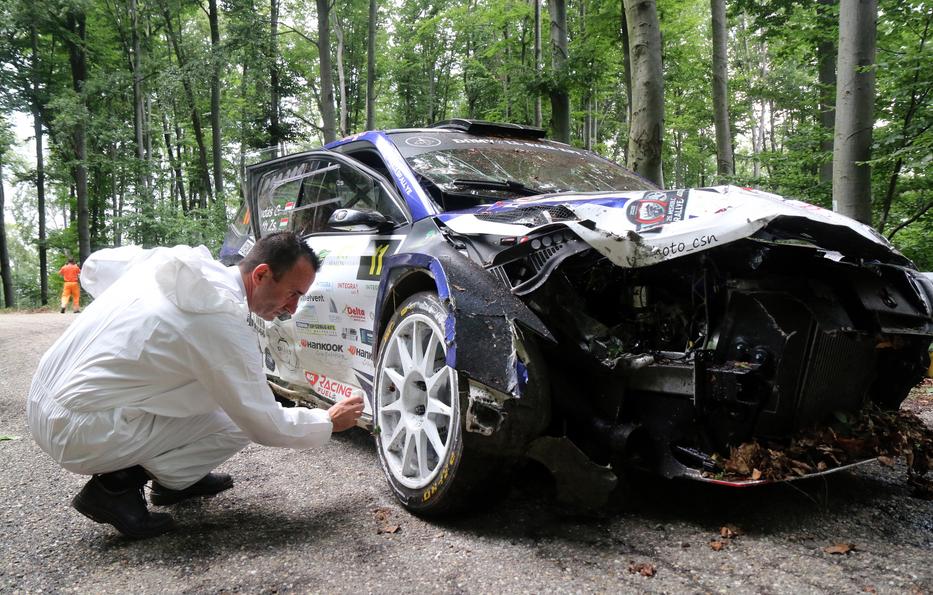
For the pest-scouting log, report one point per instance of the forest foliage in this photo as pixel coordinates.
(149, 110)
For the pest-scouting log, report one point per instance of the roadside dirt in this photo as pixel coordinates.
(324, 521)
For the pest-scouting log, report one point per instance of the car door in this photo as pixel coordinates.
(327, 345)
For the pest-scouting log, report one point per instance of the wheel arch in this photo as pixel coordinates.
(480, 312)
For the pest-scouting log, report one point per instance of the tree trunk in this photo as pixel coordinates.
(77, 56)
(35, 105)
(905, 136)
(855, 95)
(203, 170)
(537, 4)
(725, 164)
(560, 99)
(328, 117)
(215, 99)
(371, 68)
(6, 275)
(341, 79)
(174, 161)
(626, 65)
(275, 126)
(826, 58)
(647, 126)
(138, 117)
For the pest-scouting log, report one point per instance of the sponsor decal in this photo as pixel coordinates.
(422, 141)
(332, 389)
(367, 336)
(371, 264)
(323, 285)
(258, 324)
(655, 209)
(371, 287)
(355, 313)
(349, 334)
(325, 347)
(313, 328)
(314, 297)
(359, 352)
(269, 360)
(247, 245)
(349, 286)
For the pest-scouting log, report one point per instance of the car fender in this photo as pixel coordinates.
(506, 397)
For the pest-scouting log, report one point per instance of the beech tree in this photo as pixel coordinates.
(646, 129)
(855, 97)
(724, 161)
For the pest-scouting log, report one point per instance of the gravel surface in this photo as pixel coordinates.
(300, 521)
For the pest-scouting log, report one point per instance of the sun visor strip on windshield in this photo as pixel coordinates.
(418, 202)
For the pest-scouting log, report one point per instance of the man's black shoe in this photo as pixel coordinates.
(63, 310)
(125, 509)
(210, 484)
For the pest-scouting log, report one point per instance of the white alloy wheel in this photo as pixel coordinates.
(417, 409)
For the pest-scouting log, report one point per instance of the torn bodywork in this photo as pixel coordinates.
(667, 359)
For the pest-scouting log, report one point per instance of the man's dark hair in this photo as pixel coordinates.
(72, 261)
(280, 250)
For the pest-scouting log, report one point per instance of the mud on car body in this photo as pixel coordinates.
(498, 296)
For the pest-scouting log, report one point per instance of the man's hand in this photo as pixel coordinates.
(344, 414)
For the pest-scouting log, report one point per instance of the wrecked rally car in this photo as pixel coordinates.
(498, 296)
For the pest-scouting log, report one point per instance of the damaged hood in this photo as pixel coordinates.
(635, 229)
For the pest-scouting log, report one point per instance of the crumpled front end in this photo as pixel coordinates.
(680, 336)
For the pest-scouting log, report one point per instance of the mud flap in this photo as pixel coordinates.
(580, 482)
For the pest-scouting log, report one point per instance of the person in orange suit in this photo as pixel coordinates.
(72, 289)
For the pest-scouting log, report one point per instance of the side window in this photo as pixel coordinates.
(334, 185)
(277, 193)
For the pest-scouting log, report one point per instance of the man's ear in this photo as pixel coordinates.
(261, 272)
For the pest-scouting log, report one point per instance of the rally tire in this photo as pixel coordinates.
(417, 413)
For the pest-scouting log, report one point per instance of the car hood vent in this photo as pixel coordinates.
(530, 216)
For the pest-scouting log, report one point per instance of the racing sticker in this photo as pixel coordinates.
(655, 209)
(324, 386)
(283, 348)
(371, 264)
(422, 141)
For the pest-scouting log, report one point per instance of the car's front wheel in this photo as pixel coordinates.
(419, 433)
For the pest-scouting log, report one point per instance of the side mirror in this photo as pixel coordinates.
(359, 220)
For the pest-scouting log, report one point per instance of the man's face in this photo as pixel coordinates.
(270, 298)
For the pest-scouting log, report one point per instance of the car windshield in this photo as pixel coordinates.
(492, 168)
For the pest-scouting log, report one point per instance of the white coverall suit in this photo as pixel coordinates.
(162, 370)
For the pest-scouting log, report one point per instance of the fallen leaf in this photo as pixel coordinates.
(729, 532)
(8, 437)
(756, 474)
(869, 589)
(839, 548)
(642, 568)
(886, 461)
(381, 516)
(717, 545)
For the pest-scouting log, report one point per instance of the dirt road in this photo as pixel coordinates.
(323, 521)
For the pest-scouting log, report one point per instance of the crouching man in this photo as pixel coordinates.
(161, 377)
